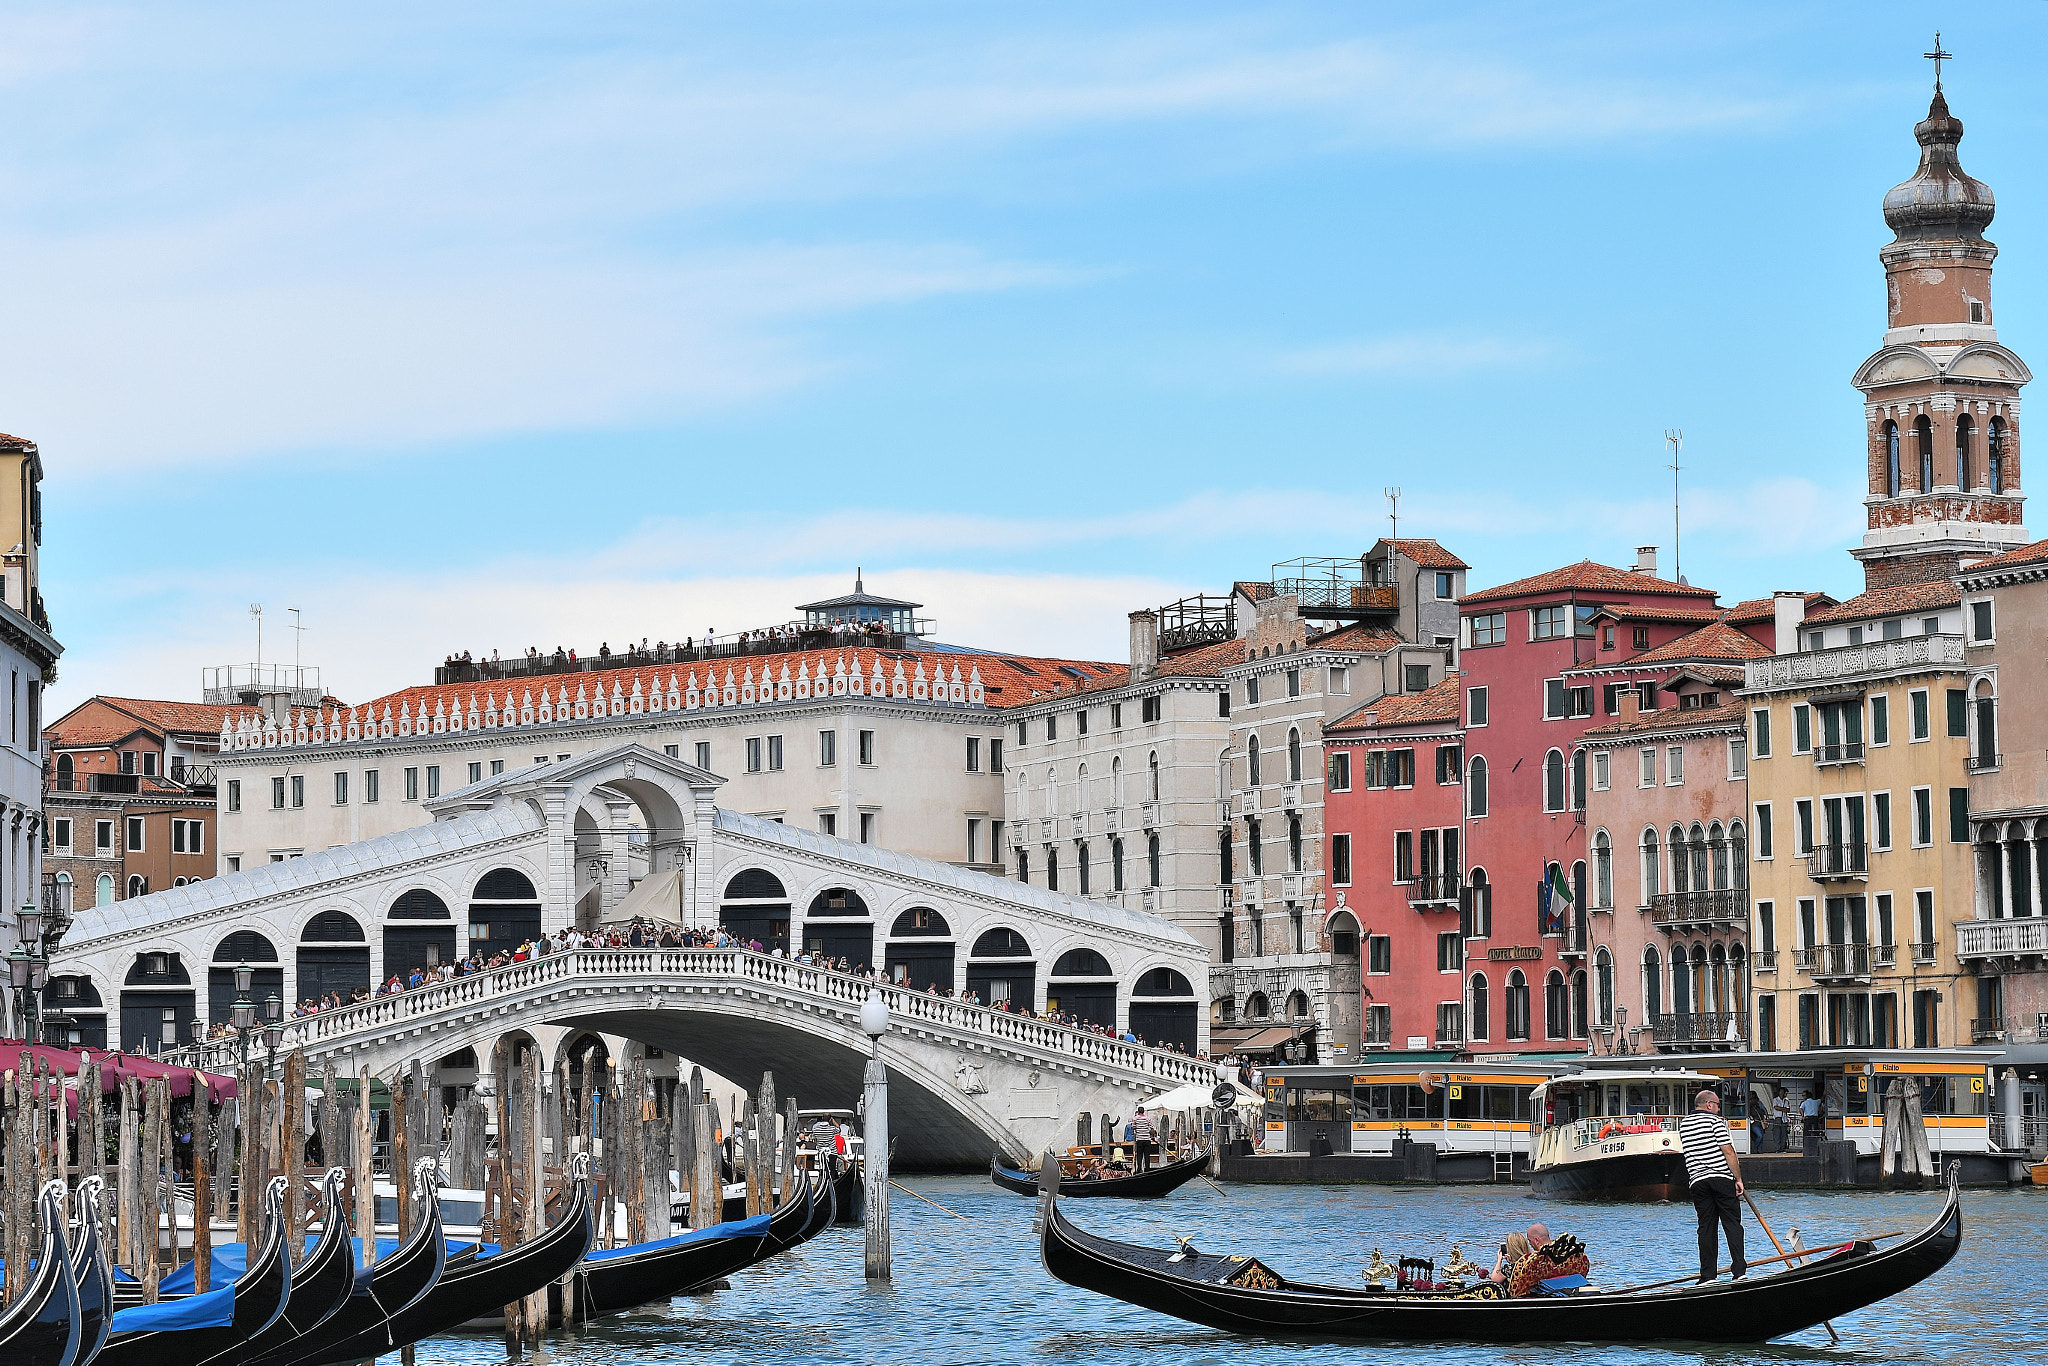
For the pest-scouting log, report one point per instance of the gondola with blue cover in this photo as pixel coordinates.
(41, 1327)
(208, 1329)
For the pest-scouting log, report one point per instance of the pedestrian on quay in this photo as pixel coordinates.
(1714, 1176)
(1810, 1126)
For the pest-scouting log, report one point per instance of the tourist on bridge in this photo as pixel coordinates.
(1714, 1176)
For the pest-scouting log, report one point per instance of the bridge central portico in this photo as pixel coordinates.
(969, 1080)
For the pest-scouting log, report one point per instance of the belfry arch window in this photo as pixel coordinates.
(1965, 430)
(1251, 758)
(1995, 454)
(1293, 755)
(1923, 439)
(1891, 459)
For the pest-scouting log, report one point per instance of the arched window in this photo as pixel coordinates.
(1557, 1023)
(1001, 942)
(1965, 430)
(1152, 765)
(920, 922)
(1116, 864)
(1987, 724)
(755, 884)
(1738, 980)
(1717, 844)
(1518, 1005)
(418, 904)
(1293, 755)
(1477, 1023)
(66, 770)
(1297, 1005)
(1475, 787)
(1650, 868)
(1081, 789)
(1653, 985)
(1995, 455)
(1152, 857)
(1052, 793)
(1603, 870)
(1479, 904)
(1251, 760)
(1738, 855)
(1553, 781)
(138, 885)
(1579, 1030)
(332, 927)
(1603, 988)
(1293, 844)
(1081, 963)
(1699, 857)
(1167, 982)
(1578, 780)
(1681, 861)
(1923, 438)
(1681, 983)
(1116, 782)
(1255, 1006)
(1717, 991)
(1891, 459)
(1701, 1001)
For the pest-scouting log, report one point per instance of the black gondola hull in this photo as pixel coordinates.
(320, 1287)
(1757, 1309)
(261, 1293)
(41, 1327)
(1638, 1177)
(1145, 1185)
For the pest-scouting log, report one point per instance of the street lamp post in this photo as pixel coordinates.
(874, 1022)
(28, 968)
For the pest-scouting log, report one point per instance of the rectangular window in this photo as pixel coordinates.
(775, 754)
(1923, 817)
(1450, 764)
(234, 863)
(1881, 818)
(1880, 719)
(1081, 721)
(1450, 952)
(973, 840)
(1980, 622)
(1958, 712)
(1251, 690)
(753, 754)
(60, 834)
(1763, 830)
(434, 780)
(298, 790)
(867, 827)
(828, 822)
(995, 754)
(412, 784)
(234, 794)
(1151, 709)
(1489, 629)
(974, 754)
(1766, 925)
(1416, 678)
(1548, 623)
(1443, 586)
(1340, 860)
(828, 748)
(1760, 733)
(1610, 698)
(1294, 682)
(1917, 703)
(1802, 816)
(370, 783)
(135, 845)
(1738, 759)
(498, 765)
(1600, 759)
(1340, 680)
(1116, 716)
(704, 754)
(1052, 728)
(1884, 918)
(1674, 766)
(1802, 729)
(1923, 916)
(1379, 954)
(1475, 706)
(1340, 770)
(277, 794)
(1223, 702)
(1022, 740)
(1555, 699)
(1582, 701)
(1959, 815)
(1646, 759)
(178, 837)
(102, 836)
(341, 789)
(867, 748)
(476, 772)
(1404, 856)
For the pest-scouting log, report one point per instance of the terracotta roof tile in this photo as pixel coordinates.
(1883, 602)
(1251, 588)
(15, 443)
(2012, 559)
(1752, 610)
(1671, 719)
(1365, 639)
(1662, 611)
(143, 713)
(1716, 640)
(1440, 702)
(1204, 661)
(1592, 578)
(1428, 553)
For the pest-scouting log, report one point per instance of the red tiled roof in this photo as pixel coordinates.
(141, 713)
(15, 443)
(1670, 719)
(1364, 639)
(1716, 640)
(1440, 702)
(1428, 553)
(1662, 611)
(1589, 577)
(1204, 661)
(1751, 610)
(1883, 602)
(1713, 673)
(1257, 592)
(2012, 559)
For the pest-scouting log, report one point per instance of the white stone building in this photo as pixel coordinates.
(28, 653)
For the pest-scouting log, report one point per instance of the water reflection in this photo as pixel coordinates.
(973, 1292)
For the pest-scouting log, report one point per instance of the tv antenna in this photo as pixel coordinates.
(298, 640)
(256, 612)
(1674, 440)
(1393, 496)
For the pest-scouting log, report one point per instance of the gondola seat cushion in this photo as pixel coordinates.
(214, 1309)
(1565, 1256)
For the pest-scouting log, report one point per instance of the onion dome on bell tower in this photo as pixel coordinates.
(1940, 200)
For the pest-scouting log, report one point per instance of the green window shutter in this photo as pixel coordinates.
(1802, 729)
(1958, 713)
(1959, 815)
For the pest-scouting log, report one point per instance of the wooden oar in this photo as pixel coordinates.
(1783, 1255)
(1760, 1261)
(933, 1203)
(1213, 1186)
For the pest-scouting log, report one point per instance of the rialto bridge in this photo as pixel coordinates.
(538, 849)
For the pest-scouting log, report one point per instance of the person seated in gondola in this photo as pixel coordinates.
(1553, 1266)
(1513, 1252)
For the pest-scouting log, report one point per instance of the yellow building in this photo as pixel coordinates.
(1859, 793)
(21, 527)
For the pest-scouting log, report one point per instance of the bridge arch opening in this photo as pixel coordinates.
(1001, 970)
(333, 956)
(1163, 1010)
(158, 1004)
(243, 946)
(838, 925)
(1083, 987)
(754, 908)
(504, 912)
(427, 940)
(920, 952)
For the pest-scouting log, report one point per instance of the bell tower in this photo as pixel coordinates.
(1941, 396)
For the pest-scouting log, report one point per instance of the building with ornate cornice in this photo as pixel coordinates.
(28, 658)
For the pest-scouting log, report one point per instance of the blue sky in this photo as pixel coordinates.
(475, 327)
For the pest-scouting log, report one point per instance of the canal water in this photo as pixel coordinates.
(971, 1290)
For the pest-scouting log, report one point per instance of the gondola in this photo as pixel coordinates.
(1145, 1185)
(623, 1277)
(382, 1290)
(93, 1272)
(321, 1284)
(846, 1191)
(1241, 1294)
(41, 1327)
(204, 1329)
(477, 1284)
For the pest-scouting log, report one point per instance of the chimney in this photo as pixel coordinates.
(1790, 612)
(1646, 559)
(1631, 704)
(1144, 644)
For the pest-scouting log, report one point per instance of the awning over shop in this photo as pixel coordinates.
(1261, 1040)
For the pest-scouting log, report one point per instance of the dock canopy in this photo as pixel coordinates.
(115, 1068)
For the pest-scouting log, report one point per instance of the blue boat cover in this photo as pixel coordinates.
(230, 1260)
(756, 1227)
(214, 1309)
(1562, 1285)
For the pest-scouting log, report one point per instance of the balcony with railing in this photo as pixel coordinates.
(1335, 588)
(1199, 620)
(1984, 763)
(1433, 890)
(1849, 663)
(2023, 938)
(1850, 752)
(1686, 910)
(180, 782)
(1841, 961)
(1839, 862)
(1989, 1029)
(1764, 960)
(1705, 1028)
(1923, 954)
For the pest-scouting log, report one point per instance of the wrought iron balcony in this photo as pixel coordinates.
(1839, 862)
(1726, 1028)
(1843, 960)
(1923, 954)
(1764, 960)
(1435, 889)
(2026, 937)
(1884, 955)
(1722, 906)
(1984, 763)
(1849, 753)
(1989, 1029)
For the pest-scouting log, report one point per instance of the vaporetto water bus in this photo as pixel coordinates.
(1477, 1115)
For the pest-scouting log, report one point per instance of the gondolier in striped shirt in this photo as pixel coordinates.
(1714, 1176)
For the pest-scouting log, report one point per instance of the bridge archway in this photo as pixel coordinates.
(1001, 969)
(920, 951)
(243, 946)
(504, 912)
(157, 1002)
(333, 956)
(1083, 986)
(1163, 1010)
(419, 932)
(838, 924)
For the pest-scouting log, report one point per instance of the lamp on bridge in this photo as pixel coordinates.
(874, 1016)
(273, 1025)
(874, 1109)
(28, 967)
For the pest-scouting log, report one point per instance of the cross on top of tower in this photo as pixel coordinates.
(1938, 57)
